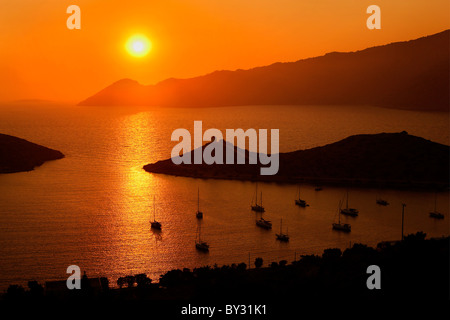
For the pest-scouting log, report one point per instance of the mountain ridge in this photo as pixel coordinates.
(410, 74)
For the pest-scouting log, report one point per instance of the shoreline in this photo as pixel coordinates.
(324, 182)
(345, 267)
(20, 155)
(383, 160)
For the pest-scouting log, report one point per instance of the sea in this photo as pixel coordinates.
(93, 208)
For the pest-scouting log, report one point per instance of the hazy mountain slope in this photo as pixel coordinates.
(412, 74)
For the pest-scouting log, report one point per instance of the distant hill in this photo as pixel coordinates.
(412, 74)
(18, 155)
(397, 160)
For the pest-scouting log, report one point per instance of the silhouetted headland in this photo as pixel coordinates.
(18, 155)
(394, 160)
(411, 74)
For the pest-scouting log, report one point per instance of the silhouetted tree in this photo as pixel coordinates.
(241, 267)
(282, 263)
(359, 252)
(171, 278)
(419, 236)
(331, 254)
(309, 259)
(130, 280)
(15, 291)
(104, 282)
(121, 282)
(258, 262)
(36, 289)
(142, 280)
(274, 265)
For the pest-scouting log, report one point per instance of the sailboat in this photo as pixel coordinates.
(258, 207)
(341, 226)
(199, 244)
(300, 202)
(282, 236)
(349, 211)
(155, 224)
(198, 214)
(382, 202)
(265, 224)
(435, 214)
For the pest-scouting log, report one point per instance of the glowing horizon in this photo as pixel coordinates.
(41, 59)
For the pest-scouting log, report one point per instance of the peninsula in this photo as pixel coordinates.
(17, 155)
(395, 160)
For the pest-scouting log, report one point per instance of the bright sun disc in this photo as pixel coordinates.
(138, 45)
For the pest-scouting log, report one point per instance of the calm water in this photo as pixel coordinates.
(93, 207)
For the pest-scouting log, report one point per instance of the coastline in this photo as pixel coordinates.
(335, 271)
(20, 155)
(385, 160)
(323, 182)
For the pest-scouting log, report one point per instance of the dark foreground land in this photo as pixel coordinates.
(17, 155)
(415, 269)
(392, 160)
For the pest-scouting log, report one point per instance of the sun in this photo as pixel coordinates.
(138, 45)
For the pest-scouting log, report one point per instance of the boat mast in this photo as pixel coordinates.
(339, 213)
(347, 199)
(261, 198)
(154, 216)
(403, 217)
(435, 199)
(198, 199)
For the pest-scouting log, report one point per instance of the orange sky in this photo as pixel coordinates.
(41, 59)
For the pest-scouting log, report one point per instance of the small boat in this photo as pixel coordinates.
(382, 202)
(198, 214)
(341, 226)
(199, 244)
(202, 246)
(282, 236)
(155, 224)
(266, 224)
(258, 207)
(349, 211)
(300, 202)
(435, 214)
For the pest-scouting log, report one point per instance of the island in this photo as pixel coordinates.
(18, 155)
(391, 160)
